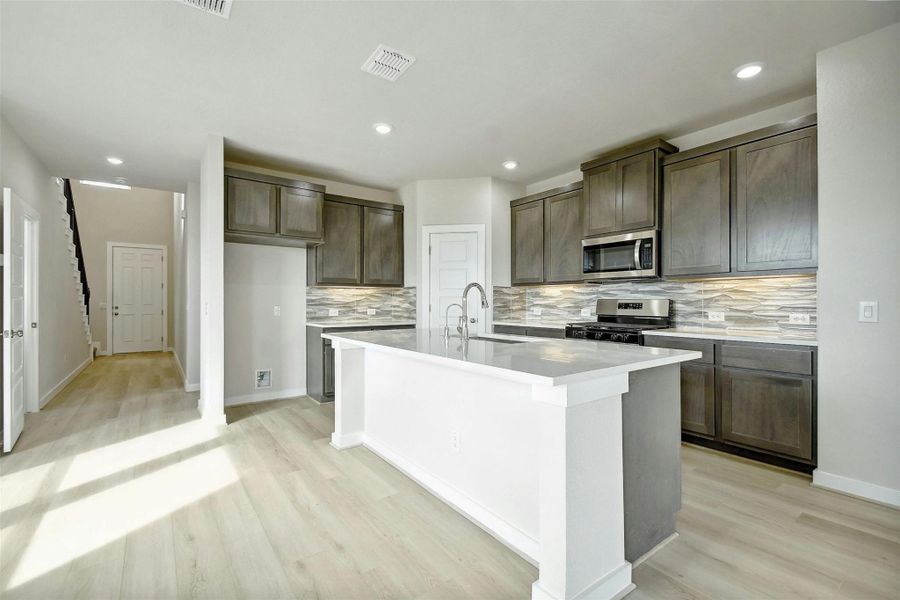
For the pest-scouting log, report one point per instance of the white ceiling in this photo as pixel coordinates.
(547, 84)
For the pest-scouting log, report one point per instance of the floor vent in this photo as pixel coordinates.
(387, 63)
(220, 8)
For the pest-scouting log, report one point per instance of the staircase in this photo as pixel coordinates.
(76, 256)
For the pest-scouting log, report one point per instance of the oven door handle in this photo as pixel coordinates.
(637, 254)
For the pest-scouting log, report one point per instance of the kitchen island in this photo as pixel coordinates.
(527, 438)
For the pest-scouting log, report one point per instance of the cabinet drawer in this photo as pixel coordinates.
(509, 329)
(707, 347)
(547, 332)
(768, 358)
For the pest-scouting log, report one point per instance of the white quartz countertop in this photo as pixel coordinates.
(532, 324)
(534, 360)
(728, 336)
(348, 324)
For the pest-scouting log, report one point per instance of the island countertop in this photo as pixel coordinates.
(528, 360)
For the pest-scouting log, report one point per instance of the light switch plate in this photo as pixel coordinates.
(585, 312)
(371, 311)
(276, 311)
(868, 311)
(798, 318)
(537, 311)
(333, 312)
(715, 315)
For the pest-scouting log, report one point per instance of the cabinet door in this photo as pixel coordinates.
(328, 369)
(339, 260)
(251, 206)
(527, 234)
(698, 399)
(600, 200)
(766, 411)
(776, 202)
(382, 246)
(635, 179)
(696, 233)
(562, 232)
(301, 213)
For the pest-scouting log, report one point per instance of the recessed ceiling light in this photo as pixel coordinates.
(383, 128)
(113, 160)
(749, 70)
(510, 164)
(106, 184)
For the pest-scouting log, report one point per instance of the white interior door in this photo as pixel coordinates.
(14, 326)
(453, 264)
(138, 308)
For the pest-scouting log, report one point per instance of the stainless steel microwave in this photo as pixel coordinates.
(625, 256)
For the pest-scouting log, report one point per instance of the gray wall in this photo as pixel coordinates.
(859, 259)
(63, 344)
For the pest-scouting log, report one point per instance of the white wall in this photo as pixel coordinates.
(63, 346)
(258, 278)
(751, 122)
(858, 90)
(187, 295)
(139, 216)
(212, 283)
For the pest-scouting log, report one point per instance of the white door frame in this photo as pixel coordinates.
(109, 290)
(32, 306)
(427, 231)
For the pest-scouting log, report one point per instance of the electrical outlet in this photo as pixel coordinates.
(537, 311)
(868, 311)
(263, 378)
(276, 311)
(585, 312)
(715, 315)
(455, 441)
(371, 311)
(798, 318)
(333, 312)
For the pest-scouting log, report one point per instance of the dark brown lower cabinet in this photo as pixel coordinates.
(767, 411)
(752, 399)
(328, 369)
(698, 399)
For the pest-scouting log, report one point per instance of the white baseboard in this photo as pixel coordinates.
(517, 540)
(188, 387)
(653, 551)
(347, 440)
(264, 396)
(65, 381)
(856, 488)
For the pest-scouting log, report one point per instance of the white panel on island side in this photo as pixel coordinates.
(523, 436)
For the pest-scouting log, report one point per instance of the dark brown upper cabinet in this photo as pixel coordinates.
(339, 260)
(746, 205)
(545, 231)
(301, 213)
(363, 245)
(696, 216)
(776, 202)
(251, 206)
(621, 188)
(527, 234)
(563, 217)
(382, 246)
(261, 209)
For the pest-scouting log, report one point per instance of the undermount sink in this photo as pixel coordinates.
(497, 340)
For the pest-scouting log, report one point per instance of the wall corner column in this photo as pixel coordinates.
(582, 510)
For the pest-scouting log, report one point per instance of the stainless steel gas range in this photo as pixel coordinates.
(623, 320)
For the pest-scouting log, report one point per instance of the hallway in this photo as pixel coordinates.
(117, 490)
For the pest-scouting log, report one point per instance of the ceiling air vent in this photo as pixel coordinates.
(220, 8)
(387, 63)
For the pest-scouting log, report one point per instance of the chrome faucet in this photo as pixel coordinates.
(447, 320)
(464, 330)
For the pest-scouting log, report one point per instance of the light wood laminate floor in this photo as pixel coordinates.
(116, 490)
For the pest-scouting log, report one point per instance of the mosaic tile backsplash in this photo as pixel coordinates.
(353, 303)
(753, 305)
